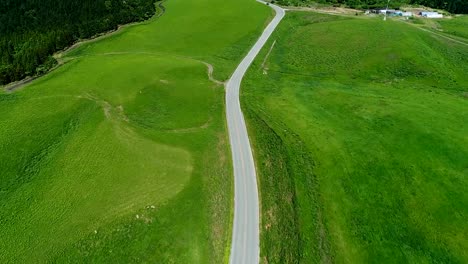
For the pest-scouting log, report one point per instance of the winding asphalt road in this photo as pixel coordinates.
(245, 247)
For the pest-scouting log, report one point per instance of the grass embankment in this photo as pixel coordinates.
(121, 154)
(454, 28)
(360, 134)
(457, 26)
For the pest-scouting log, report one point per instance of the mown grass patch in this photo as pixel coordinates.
(218, 33)
(120, 155)
(367, 121)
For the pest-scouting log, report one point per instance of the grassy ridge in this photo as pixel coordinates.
(367, 120)
(279, 155)
(121, 154)
(219, 45)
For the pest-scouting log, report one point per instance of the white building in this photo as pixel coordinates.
(431, 15)
(388, 11)
(407, 14)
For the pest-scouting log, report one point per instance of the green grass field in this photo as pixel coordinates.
(120, 155)
(360, 130)
(453, 27)
(457, 26)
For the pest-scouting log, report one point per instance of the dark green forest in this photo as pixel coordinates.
(32, 30)
(452, 6)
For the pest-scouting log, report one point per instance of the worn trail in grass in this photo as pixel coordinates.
(360, 135)
(121, 154)
(456, 26)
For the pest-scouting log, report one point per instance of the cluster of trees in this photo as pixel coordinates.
(32, 30)
(452, 6)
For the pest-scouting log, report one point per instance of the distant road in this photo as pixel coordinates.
(245, 247)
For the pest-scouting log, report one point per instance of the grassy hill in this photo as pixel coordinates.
(121, 154)
(456, 26)
(360, 133)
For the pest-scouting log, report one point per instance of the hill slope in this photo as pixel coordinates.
(360, 134)
(121, 154)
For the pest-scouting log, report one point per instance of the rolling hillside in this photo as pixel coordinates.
(120, 155)
(360, 134)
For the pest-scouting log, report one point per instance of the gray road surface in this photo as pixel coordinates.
(245, 247)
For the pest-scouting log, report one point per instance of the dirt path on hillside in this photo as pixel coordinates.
(265, 70)
(328, 10)
(20, 84)
(439, 35)
(107, 34)
(210, 67)
(210, 73)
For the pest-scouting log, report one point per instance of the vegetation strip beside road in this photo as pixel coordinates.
(245, 234)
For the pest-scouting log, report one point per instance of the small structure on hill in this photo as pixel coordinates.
(373, 11)
(390, 12)
(431, 15)
(407, 14)
(402, 13)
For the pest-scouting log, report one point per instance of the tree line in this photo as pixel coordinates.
(32, 30)
(452, 6)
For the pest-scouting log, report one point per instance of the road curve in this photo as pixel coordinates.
(245, 246)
